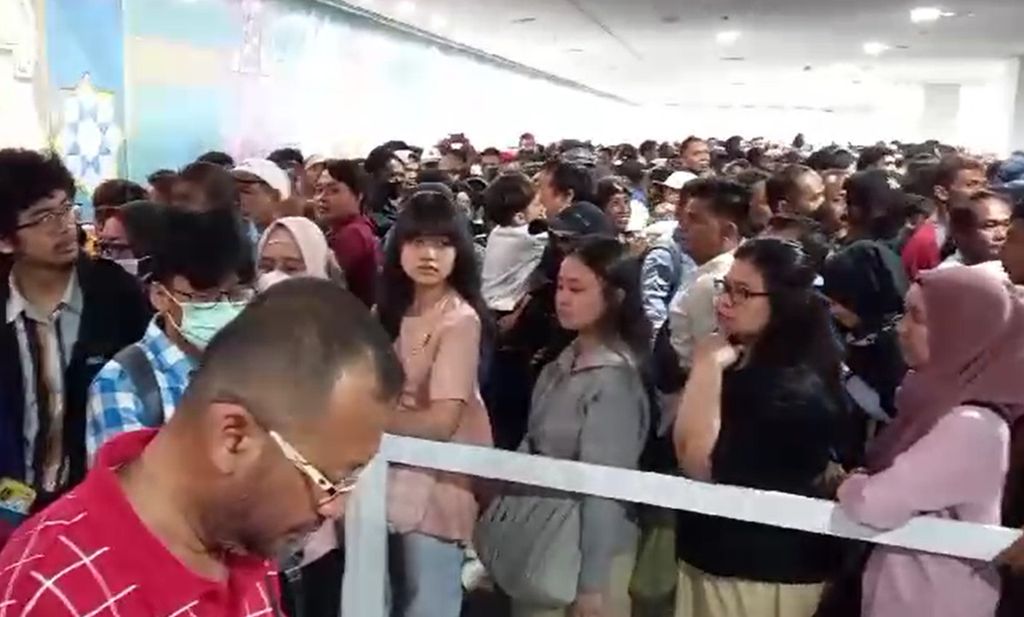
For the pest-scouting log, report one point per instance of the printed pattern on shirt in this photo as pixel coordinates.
(57, 572)
(114, 405)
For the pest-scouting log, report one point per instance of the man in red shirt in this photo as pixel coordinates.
(339, 197)
(956, 177)
(270, 436)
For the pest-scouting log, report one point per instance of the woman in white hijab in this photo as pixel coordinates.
(294, 246)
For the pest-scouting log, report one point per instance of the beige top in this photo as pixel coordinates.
(440, 352)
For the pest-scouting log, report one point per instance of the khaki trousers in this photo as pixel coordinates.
(703, 595)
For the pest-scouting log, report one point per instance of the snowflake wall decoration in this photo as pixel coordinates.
(89, 139)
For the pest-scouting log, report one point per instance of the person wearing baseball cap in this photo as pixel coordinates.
(262, 187)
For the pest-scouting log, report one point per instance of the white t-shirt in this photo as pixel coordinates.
(511, 257)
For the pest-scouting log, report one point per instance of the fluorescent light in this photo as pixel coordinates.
(874, 48)
(727, 37)
(438, 22)
(927, 14)
(406, 7)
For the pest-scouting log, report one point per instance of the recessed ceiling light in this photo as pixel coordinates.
(727, 37)
(734, 59)
(926, 14)
(438, 22)
(874, 48)
(406, 7)
(524, 20)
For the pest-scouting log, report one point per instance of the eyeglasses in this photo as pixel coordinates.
(331, 490)
(235, 294)
(51, 220)
(737, 294)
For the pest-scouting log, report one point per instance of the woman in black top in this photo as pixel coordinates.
(759, 410)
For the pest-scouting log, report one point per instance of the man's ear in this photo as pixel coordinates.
(234, 438)
(6, 246)
(941, 194)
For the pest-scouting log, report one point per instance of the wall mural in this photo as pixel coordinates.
(89, 138)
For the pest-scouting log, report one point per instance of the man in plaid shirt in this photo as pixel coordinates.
(268, 439)
(201, 259)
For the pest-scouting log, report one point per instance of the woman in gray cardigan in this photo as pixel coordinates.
(590, 405)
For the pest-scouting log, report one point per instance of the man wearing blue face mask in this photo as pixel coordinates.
(201, 279)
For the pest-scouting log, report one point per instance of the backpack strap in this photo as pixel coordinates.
(135, 363)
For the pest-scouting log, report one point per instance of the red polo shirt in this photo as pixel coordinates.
(358, 252)
(90, 554)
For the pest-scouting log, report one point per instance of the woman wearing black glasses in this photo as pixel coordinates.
(759, 410)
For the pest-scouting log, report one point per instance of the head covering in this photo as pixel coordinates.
(976, 339)
(867, 278)
(266, 171)
(311, 241)
(679, 179)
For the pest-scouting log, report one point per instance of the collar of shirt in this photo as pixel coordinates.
(17, 304)
(167, 582)
(570, 360)
(169, 357)
(717, 266)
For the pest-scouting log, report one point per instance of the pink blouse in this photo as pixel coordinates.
(956, 471)
(440, 351)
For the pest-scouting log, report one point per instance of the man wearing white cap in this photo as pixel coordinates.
(262, 187)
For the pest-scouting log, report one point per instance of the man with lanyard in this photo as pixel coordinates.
(65, 315)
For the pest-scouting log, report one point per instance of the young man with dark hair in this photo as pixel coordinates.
(978, 226)
(563, 184)
(339, 197)
(201, 277)
(798, 190)
(694, 156)
(65, 316)
(276, 424)
(717, 221)
(956, 177)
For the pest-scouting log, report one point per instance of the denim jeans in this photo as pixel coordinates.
(426, 576)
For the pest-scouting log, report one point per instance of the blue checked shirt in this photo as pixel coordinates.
(114, 406)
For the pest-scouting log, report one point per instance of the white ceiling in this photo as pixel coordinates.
(663, 51)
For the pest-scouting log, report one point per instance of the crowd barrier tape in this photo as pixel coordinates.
(366, 527)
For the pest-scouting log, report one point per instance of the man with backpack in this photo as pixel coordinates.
(202, 274)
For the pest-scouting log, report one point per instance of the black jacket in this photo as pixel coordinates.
(115, 314)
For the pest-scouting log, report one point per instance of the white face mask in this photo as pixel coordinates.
(131, 265)
(266, 280)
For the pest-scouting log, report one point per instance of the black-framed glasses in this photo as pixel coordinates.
(52, 219)
(737, 294)
(239, 293)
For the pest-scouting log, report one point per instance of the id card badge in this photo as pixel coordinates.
(16, 501)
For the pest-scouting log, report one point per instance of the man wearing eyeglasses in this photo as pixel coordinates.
(201, 276)
(282, 414)
(64, 316)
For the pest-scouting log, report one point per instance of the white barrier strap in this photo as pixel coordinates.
(933, 535)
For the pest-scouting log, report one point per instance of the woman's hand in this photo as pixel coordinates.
(588, 605)
(717, 350)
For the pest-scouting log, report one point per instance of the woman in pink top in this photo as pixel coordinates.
(430, 302)
(946, 453)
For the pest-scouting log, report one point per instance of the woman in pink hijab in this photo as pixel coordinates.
(947, 452)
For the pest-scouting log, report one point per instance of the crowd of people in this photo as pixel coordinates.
(192, 380)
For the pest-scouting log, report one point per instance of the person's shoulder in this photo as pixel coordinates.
(40, 543)
(112, 377)
(460, 314)
(976, 419)
(790, 389)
